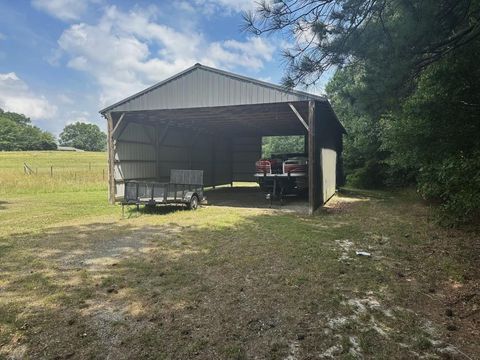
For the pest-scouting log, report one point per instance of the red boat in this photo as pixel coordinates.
(296, 165)
(269, 166)
(283, 174)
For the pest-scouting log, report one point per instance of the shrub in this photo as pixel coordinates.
(455, 184)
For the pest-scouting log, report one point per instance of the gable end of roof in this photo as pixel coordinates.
(218, 72)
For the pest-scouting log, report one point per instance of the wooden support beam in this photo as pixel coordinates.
(149, 135)
(230, 159)
(214, 163)
(160, 135)
(117, 127)
(312, 159)
(121, 141)
(298, 116)
(111, 160)
(133, 161)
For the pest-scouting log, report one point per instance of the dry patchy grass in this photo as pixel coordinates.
(72, 171)
(236, 283)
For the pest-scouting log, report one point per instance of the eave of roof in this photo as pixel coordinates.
(222, 72)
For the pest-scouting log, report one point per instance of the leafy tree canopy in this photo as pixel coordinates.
(83, 136)
(406, 87)
(17, 134)
(282, 145)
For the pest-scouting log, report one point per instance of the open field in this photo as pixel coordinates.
(77, 281)
(53, 171)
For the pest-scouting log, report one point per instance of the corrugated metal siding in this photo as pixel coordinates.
(204, 88)
(133, 170)
(329, 170)
(136, 132)
(245, 152)
(223, 161)
(180, 149)
(126, 153)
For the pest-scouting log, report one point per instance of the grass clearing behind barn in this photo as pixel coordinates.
(52, 172)
(78, 281)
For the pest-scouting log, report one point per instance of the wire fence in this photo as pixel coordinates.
(65, 171)
(67, 176)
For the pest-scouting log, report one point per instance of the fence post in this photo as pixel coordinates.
(89, 166)
(51, 171)
(27, 170)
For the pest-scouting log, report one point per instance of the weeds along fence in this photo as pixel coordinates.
(53, 178)
(29, 170)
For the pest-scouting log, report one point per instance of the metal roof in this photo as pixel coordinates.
(203, 86)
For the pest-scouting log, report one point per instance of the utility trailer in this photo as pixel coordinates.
(185, 188)
(279, 186)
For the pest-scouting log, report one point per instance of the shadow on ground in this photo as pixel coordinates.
(3, 204)
(253, 197)
(266, 285)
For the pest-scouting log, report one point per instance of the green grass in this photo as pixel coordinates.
(53, 171)
(79, 281)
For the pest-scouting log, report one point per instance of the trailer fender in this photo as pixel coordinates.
(188, 195)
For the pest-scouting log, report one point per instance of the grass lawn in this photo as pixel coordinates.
(77, 281)
(53, 171)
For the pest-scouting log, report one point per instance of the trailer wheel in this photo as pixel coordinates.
(193, 203)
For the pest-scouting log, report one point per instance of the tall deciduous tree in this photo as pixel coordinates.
(18, 134)
(83, 136)
(282, 145)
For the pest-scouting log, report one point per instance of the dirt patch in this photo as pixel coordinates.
(253, 197)
(346, 247)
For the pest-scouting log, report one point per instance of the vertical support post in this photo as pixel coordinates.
(305, 144)
(214, 165)
(111, 160)
(156, 148)
(230, 159)
(312, 159)
(191, 143)
(160, 135)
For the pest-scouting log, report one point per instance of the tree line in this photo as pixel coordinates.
(17, 133)
(406, 87)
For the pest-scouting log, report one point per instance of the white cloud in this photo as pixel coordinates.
(128, 51)
(74, 116)
(16, 96)
(65, 10)
(217, 6)
(252, 53)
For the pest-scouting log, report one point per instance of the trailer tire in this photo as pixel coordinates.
(193, 203)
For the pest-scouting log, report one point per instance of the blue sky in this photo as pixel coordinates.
(63, 60)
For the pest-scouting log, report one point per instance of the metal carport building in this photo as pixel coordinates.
(212, 120)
